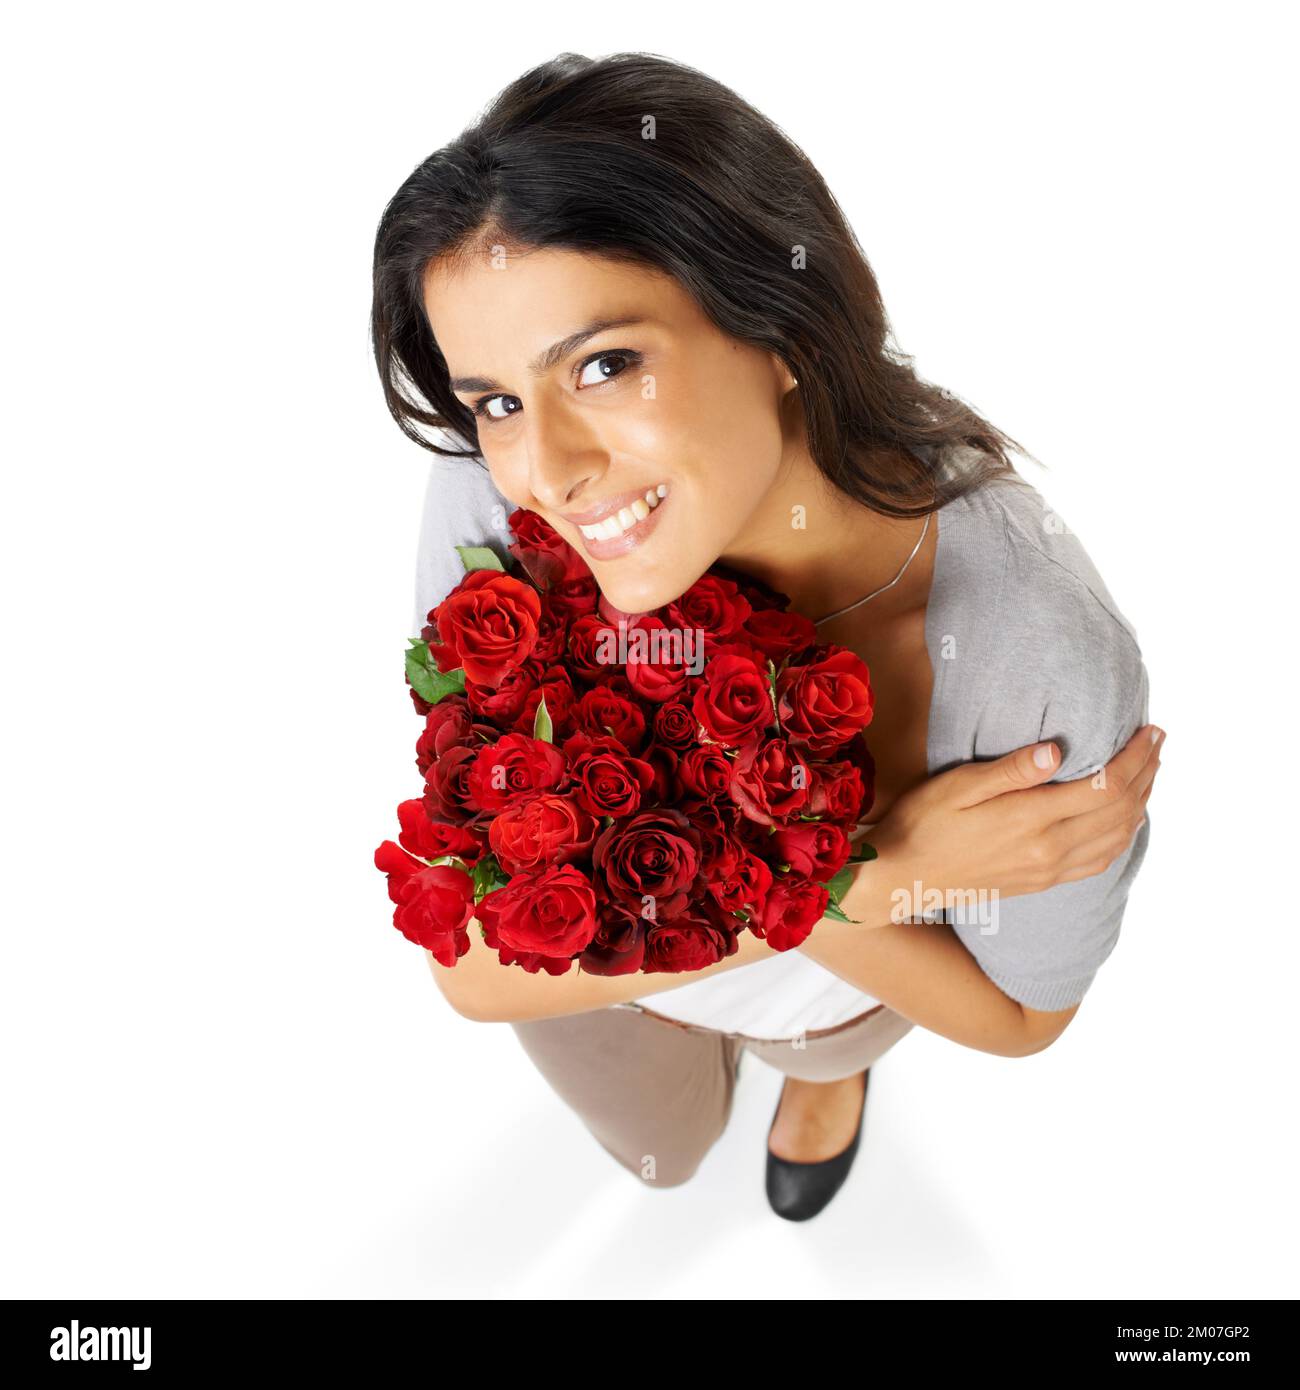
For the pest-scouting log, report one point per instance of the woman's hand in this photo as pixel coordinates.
(990, 825)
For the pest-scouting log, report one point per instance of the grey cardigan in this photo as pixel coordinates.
(1026, 644)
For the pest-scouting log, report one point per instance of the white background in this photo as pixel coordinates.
(224, 1072)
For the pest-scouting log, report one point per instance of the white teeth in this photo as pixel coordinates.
(626, 517)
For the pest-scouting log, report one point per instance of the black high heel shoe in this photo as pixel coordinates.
(798, 1191)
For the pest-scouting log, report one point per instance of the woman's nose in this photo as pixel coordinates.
(565, 461)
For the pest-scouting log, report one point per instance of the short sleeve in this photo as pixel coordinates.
(461, 507)
(1044, 949)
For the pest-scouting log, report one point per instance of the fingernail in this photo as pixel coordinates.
(1043, 755)
(1156, 734)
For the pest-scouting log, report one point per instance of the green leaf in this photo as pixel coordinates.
(488, 876)
(840, 884)
(837, 887)
(771, 686)
(863, 854)
(454, 860)
(479, 557)
(543, 729)
(431, 684)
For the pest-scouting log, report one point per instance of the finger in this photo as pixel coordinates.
(989, 777)
(1080, 837)
(1076, 797)
(1098, 864)
(1107, 829)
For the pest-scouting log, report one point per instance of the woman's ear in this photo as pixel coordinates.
(788, 381)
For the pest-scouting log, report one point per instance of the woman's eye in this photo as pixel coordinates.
(484, 411)
(620, 358)
(495, 407)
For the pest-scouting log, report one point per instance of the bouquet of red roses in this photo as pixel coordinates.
(627, 792)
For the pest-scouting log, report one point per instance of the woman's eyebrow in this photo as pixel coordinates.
(544, 361)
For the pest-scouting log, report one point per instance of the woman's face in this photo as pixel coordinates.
(579, 422)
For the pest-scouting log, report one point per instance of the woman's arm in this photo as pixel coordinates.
(480, 988)
(986, 823)
(922, 969)
(926, 974)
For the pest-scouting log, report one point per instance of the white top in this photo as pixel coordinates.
(777, 998)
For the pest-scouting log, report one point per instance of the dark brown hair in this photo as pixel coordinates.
(638, 158)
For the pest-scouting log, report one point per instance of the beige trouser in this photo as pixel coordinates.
(656, 1093)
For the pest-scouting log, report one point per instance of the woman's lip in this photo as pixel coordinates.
(620, 545)
(607, 508)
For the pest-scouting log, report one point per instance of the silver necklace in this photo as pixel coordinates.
(857, 603)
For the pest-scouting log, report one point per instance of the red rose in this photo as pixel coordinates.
(547, 558)
(689, 942)
(487, 625)
(657, 657)
(434, 905)
(769, 781)
(432, 839)
(666, 789)
(512, 766)
(655, 855)
(607, 780)
(500, 705)
(674, 725)
(448, 794)
(793, 908)
(618, 948)
(585, 656)
(552, 633)
(447, 723)
(837, 793)
(537, 830)
(813, 849)
(712, 604)
(855, 753)
(826, 702)
(779, 635)
(746, 887)
(574, 598)
(557, 689)
(605, 710)
(733, 701)
(704, 772)
(540, 921)
(752, 834)
(712, 821)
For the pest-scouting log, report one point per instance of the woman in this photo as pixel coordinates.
(631, 305)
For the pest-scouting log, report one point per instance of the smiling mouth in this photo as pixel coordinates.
(620, 522)
(624, 530)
